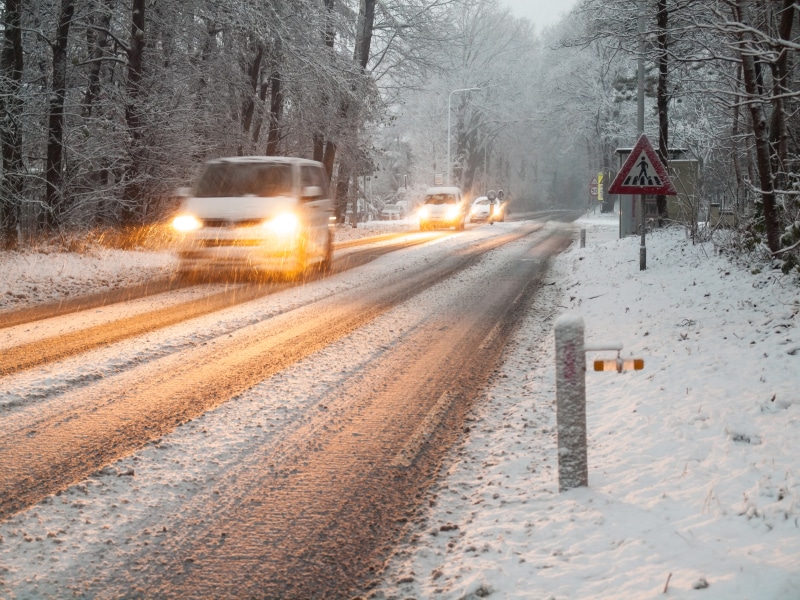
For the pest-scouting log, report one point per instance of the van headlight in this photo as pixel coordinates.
(453, 213)
(283, 224)
(423, 213)
(186, 223)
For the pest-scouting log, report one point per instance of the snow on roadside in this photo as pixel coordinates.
(36, 277)
(693, 462)
(39, 277)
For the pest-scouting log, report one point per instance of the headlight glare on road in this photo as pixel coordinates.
(283, 224)
(186, 223)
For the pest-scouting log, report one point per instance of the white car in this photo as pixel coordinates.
(484, 209)
(480, 210)
(443, 207)
(257, 214)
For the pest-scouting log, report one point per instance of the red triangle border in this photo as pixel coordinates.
(666, 188)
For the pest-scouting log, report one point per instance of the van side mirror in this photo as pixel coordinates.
(312, 191)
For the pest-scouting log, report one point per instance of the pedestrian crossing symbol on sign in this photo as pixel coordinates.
(642, 173)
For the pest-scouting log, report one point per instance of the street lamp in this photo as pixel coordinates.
(449, 98)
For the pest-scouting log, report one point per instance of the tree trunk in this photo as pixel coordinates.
(366, 22)
(320, 145)
(11, 107)
(54, 192)
(275, 111)
(760, 133)
(132, 192)
(262, 98)
(662, 100)
(249, 107)
(98, 42)
(737, 169)
(778, 134)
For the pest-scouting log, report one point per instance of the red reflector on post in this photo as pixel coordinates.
(619, 365)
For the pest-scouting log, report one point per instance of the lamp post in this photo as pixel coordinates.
(449, 98)
(640, 124)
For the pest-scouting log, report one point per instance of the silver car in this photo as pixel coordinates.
(257, 214)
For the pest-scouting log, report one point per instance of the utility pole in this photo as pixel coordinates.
(640, 125)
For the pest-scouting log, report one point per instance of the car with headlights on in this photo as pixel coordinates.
(256, 214)
(480, 210)
(443, 207)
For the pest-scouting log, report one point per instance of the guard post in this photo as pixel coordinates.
(573, 469)
(573, 465)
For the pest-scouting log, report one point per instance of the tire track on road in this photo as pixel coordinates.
(316, 520)
(64, 442)
(47, 350)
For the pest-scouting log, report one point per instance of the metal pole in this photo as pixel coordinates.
(640, 125)
(449, 98)
(573, 464)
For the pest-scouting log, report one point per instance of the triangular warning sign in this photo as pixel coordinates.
(642, 173)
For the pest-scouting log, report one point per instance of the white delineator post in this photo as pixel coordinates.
(573, 470)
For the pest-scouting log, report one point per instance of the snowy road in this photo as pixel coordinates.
(312, 418)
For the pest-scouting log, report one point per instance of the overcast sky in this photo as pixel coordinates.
(542, 13)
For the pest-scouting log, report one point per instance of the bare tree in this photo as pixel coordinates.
(748, 52)
(131, 197)
(54, 198)
(11, 108)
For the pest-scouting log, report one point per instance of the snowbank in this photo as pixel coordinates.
(693, 462)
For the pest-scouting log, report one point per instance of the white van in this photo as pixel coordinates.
(257, 213)
(443, 207)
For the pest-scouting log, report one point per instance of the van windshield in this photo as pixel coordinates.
(440, 199)
(221, 180)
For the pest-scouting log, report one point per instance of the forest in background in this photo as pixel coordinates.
(108, 106)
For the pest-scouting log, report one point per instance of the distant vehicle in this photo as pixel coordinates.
(443, 207)
(392, 212)
(498, 208)
(498, 211)
(480, 210)
(257, 213)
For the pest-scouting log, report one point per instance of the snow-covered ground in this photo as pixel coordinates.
(30, 278)
(693, 462)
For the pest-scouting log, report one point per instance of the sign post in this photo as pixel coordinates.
(643, 173)
(600, 187)
(573, 469)
(573, 466)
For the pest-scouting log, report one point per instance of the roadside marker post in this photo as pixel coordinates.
(573, 467)
(619, 365)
